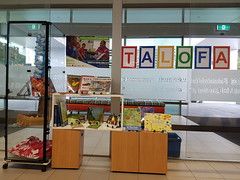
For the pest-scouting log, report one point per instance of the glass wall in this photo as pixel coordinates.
(197, 27)
(214, 94)
(212, 15)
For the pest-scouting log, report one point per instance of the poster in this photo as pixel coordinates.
(87, 52)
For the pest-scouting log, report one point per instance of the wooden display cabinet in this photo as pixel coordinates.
(144, 152)
(67, 148)
(124, 151)
(153, 152)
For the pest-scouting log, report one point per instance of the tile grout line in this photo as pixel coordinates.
(189, 169)
(216, 170)
(20, 175)
(234, 164)
(51, 174)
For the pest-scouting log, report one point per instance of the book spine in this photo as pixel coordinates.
(55, 116)
(59, 116)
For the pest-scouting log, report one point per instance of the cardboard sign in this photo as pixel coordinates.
(147, 57)
(184, 57)
(203, 57)
(165, 56)
(129, 56)
(221, 57)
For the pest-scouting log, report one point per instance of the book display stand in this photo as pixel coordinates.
(130, 151)
(28, 79)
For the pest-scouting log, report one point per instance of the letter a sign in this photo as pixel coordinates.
(221, 57)
(147, 57)
(129, 56)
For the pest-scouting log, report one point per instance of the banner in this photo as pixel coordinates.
(87, 52)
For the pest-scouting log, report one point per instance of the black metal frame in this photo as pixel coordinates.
(44, 161)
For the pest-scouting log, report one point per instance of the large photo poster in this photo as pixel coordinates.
(87, 51)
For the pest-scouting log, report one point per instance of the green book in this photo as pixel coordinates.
(64, 113)
(95, 117)
(132, 118)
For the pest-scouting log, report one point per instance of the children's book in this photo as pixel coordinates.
(146, 109)
(100, 85)
(95, 117)
(158, 122)
(132, 119)
(76, 120)
(64, 117)
(73, 83)
(85, 83)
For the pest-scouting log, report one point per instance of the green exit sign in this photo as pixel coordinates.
(223, 27)
(34, 26)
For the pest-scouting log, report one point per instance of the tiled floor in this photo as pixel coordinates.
(97, 168)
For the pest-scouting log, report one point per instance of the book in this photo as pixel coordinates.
(157, 122)
(146, 109)
(85, 83)
(95, 117)
(73, 83)
(38, 86)
(76, 120)
(100, 85)
(57, 116)
(64, 118)
(132, 119)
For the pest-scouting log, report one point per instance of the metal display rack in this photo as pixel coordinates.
(28, 79)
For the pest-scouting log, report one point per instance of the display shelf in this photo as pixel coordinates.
(102, 128)
(28, 81)
(61, 97)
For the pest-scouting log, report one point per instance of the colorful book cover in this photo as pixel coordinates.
(146, 109)
(100, 85)
(76, 120)
(95, 117)
(157, 122)
(73, 83)
(64, 113)
(38, 86)
(132, 118)
(85, 83)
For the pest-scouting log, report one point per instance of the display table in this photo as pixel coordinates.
(144, 152)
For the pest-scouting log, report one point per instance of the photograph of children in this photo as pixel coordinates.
(87, 51)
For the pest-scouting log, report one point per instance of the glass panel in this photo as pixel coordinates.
(154, 15)
(213, 15)
(215, 97)
(3, 16)
(3, 43)
(92, 16)
(30, 15)
(60, 16)
(162, 84)
(26, 85)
